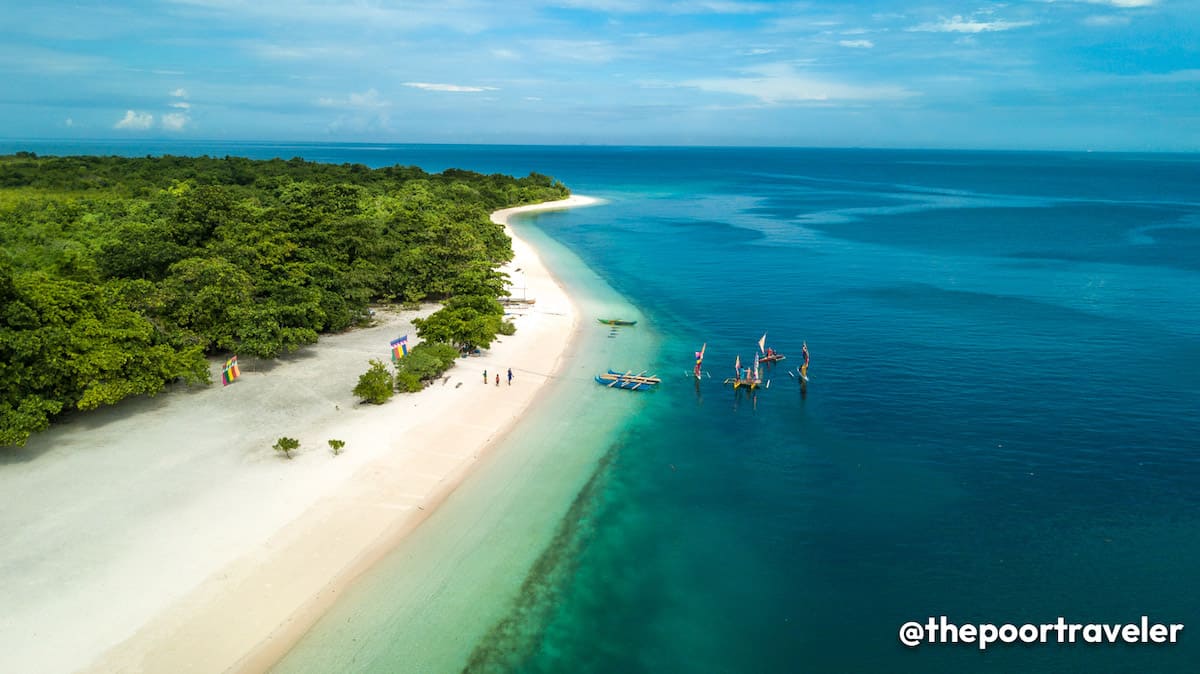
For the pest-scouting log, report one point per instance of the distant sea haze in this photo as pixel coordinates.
(1000, 424)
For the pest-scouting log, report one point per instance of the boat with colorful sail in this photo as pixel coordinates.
(747, 378)
(698, 371)
(768, 355)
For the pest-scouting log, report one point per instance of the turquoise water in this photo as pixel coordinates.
(496, 546)
(1001, 423)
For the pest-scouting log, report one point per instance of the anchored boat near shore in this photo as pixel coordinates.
(628, 380)
(616, 321)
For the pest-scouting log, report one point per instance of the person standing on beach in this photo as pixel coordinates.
(485, 377)
(497, 379)
(510, 376)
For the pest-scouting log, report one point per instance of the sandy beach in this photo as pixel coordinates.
(166, 535)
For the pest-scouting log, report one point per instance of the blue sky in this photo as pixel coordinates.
(1046, 74)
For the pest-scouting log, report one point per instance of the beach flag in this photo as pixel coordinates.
(230, 372)
(762, 343)
(399, 347)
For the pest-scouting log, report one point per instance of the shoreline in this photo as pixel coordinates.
(367, 527)
(265, 583)
(277, 644)
(437, 598)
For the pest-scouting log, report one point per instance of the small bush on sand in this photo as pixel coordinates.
(375, 385)
(286, 445)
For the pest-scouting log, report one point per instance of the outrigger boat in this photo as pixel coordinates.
(616, 321)
(748, 379)
(628, 380)
(802, 371)
(768, 355)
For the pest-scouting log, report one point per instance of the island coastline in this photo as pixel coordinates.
(255, 600)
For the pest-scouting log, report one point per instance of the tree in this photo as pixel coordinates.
(336, 446)
(466, 320)
(286, 445)
(376, 385)
(211, 298)
(119, 275)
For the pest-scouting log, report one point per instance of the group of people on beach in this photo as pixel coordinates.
(510, 377)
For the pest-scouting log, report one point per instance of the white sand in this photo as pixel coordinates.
(166, 536)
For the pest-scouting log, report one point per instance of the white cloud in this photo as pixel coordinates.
(180, 93)
(779, 83)
(367, 100)
(1106, 20)
(857, 44)
(1124, 3)
(135, 120)
(506, 54)
(182, 105)
(435, 86)
(959, 24)
(756, 52)
(292, 52)
(175, 121)
(68, 122)
(364, 112)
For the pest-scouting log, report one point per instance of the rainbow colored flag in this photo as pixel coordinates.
(230, 372)
(399, 347)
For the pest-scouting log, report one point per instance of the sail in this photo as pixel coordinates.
(700, 360)
(737, 367)
(762, 343)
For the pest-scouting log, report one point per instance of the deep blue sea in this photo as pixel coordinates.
(1001, 423)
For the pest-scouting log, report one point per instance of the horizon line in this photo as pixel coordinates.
(167, 139)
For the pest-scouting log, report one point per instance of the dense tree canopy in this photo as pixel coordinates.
(118, 275)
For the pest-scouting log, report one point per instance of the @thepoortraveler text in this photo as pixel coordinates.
(941, 631)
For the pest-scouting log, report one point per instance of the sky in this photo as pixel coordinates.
(1039, 74)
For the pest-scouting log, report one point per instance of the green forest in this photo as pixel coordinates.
(120, 275)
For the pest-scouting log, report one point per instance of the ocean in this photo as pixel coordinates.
(1000, 424)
